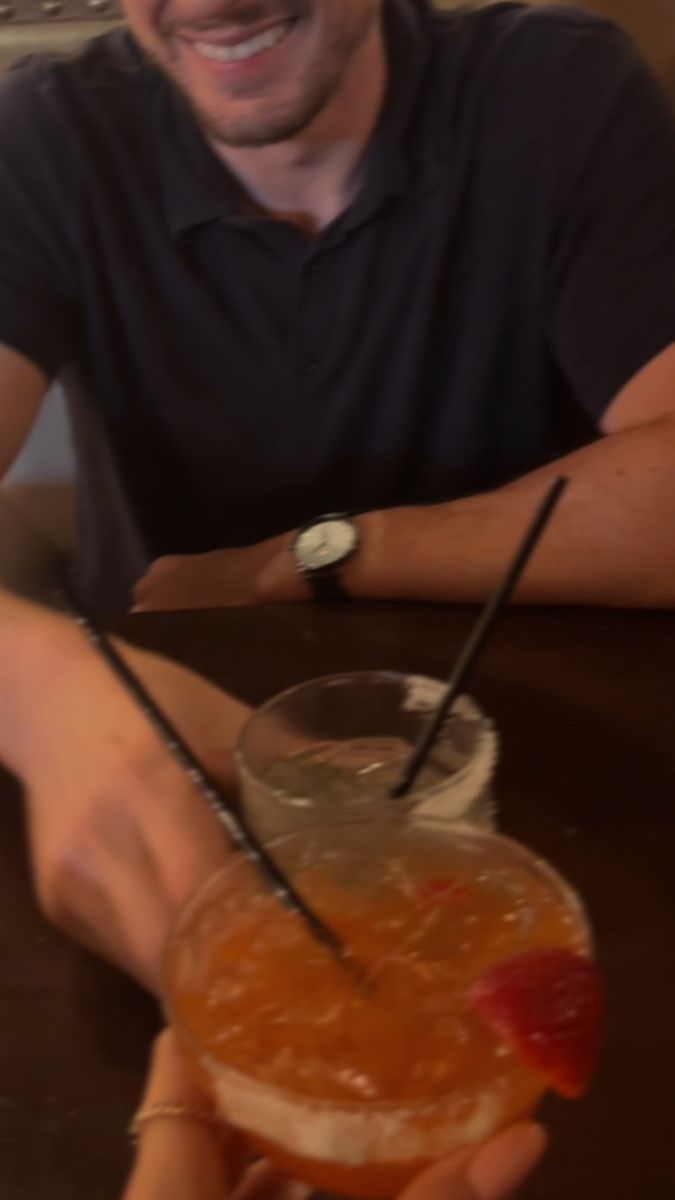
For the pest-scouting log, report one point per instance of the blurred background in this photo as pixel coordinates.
(651, 22)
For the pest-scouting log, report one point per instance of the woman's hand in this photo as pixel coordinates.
(119, 835)
(180, 1158)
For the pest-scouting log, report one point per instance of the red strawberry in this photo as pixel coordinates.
(546, 1005)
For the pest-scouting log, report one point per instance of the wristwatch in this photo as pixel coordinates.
(320, 548)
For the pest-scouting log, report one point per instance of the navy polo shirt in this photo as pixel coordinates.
(507, 265)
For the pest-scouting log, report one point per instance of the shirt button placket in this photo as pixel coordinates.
(308, 318)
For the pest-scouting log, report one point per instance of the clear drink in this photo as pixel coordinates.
(333, 748)
(355, 1089)
(353, 773)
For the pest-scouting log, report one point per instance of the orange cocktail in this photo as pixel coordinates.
(355, 1089)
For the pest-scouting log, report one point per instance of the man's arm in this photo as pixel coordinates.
(611, 542)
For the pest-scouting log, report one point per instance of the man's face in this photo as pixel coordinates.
(255, 71)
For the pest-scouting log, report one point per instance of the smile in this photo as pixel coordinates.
(243, 50)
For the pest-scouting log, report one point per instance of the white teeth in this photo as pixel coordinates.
(255, 45)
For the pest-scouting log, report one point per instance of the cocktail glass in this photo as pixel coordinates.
(332, 748)
(354, 1088)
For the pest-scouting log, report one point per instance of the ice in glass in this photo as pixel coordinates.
(481, 994)
(333, 748)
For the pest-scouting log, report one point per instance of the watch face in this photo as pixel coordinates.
(325, 544)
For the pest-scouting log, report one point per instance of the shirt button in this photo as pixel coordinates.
(310, 366)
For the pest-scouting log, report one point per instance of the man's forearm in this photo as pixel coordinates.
(612, 541)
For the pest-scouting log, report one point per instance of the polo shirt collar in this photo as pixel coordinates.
(197, 188)
(388, 168)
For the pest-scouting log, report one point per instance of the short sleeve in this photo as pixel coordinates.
(37, 276)
(612, 278)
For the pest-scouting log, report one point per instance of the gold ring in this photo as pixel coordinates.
(144, 1115)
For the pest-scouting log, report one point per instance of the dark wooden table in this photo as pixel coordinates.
(586, 706)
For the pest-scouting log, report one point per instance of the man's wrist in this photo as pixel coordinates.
(363, 573)
(279, 579)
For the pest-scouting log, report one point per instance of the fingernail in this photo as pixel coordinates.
(506, 1162)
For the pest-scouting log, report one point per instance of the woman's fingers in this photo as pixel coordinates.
(504, 1164)
(178, 1157)
(494, 1173)
(262, 1181)
(183, 1158)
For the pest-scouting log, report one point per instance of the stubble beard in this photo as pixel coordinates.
(317, 90)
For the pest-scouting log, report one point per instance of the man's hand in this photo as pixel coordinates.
(610, 542)
(120, 837)
(183, 1159)
(251, 575)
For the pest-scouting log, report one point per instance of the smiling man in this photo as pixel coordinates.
(354, 257)
(340, 286)
(260, 73)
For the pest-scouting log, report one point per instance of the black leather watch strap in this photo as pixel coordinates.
(320, 549)
(326, 585)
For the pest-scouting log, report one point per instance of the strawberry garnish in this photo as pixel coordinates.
(546, 1005)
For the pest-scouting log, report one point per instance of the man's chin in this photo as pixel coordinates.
(255, 132)
(255, 125)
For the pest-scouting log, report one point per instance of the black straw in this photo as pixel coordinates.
(478, 637)
(234, 823)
